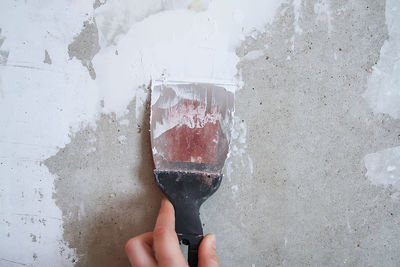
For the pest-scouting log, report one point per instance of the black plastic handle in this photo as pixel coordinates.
(188, 227)
(187, 191)
(193, 243)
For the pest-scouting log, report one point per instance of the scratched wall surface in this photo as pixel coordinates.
(312, 177)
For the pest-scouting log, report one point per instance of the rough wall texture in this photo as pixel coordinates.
(295, 192)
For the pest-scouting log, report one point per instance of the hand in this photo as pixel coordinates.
(161, 247)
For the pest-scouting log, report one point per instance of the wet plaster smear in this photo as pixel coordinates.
(313, 176)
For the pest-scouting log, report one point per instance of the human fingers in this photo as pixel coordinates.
(140, 251)
(166, 244)
(207, 252)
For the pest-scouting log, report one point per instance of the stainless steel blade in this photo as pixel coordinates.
(191, 125)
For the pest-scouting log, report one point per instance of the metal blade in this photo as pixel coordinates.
(191, 125)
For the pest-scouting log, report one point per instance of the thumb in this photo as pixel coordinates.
(207, 252)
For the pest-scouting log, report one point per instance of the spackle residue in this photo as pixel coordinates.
(322, 9)
(90, 149)
(383, 96)
(252, 55)
(297, 13)
(238, 149)
(182, 44)
(383, 169)
(139, 41)
(142, 98)
(122, 139)
(251, 168)
(124, 122)
(383, 92)
(81, 211)
(186, 115)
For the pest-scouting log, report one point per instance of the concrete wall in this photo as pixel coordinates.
(295, 190)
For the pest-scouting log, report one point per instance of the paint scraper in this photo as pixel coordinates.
(190, 126)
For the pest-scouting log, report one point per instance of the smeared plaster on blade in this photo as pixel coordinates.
(179, 93)
(191, 114)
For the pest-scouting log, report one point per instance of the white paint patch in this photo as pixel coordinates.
(391, 168)
(122, 139)
(90, 150)
(238, 149)
(116, 17)
(383, 92)
(81, 211)
(297, 6)
(181, 44)
(322, 9)
(340, 11)
(142, 98)
(253, 55)
(383, 169)
(250, 164)
(124, 122)
(297, 10)
(235, 189)
(41, 104)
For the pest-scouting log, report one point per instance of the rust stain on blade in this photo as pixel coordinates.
(191, 126)
(195, 137)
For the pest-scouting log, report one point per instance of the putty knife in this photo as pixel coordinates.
(190, 126)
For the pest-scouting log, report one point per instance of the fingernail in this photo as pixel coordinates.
(165, 201)
(213, 242)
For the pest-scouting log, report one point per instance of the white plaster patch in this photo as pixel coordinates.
(81, 211)
(235, 189)
(41, 104)
(297, 11)
(116, 17)
(90, 150)
(124, 122)
(181, 44)
(122, 139)
(238, 149)
(383, 92)
(253, 55)
(383, 169)
(322, 9)
(297, 6)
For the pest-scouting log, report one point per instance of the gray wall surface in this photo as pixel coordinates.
(295, 191)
